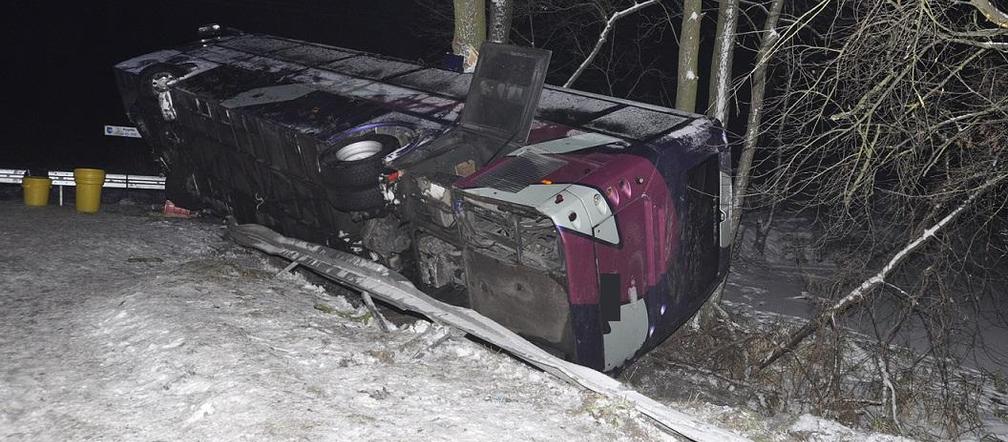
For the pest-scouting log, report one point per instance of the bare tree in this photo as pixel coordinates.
(753, 126)
(720, 95)
(891, 124)
(862, 292)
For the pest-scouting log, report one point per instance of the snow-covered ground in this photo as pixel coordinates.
(120, 326)
(129, 326)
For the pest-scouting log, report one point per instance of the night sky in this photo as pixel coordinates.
(59, 69)
(60, 89)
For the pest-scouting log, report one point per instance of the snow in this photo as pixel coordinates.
(257, 63)
(218, 54)
(694, 134)
(371, 67)
(132, 326)
(199, 65)
(441, 81)
(564, 107)
(256, 43)
(635, 122)
(784, 285)
(391, 287)
(129, 326)
(312, 55)
(136, 64)
(355, 87)
(814, 428)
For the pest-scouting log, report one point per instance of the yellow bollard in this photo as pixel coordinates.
(36, 190)
(89, 184)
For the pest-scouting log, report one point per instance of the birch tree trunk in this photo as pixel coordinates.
(500, 20)
(470, 31)
(689, 53)
(721, 62)
(720, 91)
(769, 41)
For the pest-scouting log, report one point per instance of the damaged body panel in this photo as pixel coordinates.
(587, 224)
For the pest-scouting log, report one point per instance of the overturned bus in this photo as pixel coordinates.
(590, 225)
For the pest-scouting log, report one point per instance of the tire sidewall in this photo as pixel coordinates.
(347, 176)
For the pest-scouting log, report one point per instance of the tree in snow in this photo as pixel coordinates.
(888, 122)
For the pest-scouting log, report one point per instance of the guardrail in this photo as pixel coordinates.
(114, 180)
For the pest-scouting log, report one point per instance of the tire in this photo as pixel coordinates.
(358, 199)
(356, 162)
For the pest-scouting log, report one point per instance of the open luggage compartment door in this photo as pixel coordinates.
(497, 117)
(504, 93)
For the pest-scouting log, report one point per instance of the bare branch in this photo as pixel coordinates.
(861, 292)
(604, 36)
(992, 13)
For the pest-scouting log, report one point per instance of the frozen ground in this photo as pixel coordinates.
(129, 326)
(136, 327)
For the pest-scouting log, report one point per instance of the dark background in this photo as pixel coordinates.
(58, 71)
(60, 89)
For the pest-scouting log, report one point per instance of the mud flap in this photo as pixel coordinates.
(626, 334)
(624, 327)
(396, 290)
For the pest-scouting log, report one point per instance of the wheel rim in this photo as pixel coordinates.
(359, 150)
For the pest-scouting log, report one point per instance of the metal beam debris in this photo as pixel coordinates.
(395, 289)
